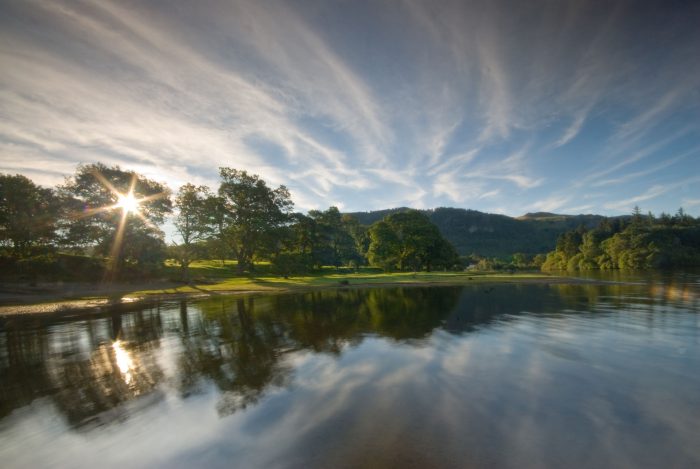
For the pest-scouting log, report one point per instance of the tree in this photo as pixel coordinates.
(682, 218)
(218, 244)
(590, 249)
(116, 212)
(636, 215)
(651, 243)
(303, 233)
(193, 221)
(665, 219)
(250, 209)
(521, 260)
(569, 242)
(384, 246)
(28, 214)
(409, 240)
(360, 236)
(538, 260)
(332, 244)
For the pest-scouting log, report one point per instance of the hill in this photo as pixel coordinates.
(494, 235)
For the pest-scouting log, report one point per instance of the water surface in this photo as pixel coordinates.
(477, 376)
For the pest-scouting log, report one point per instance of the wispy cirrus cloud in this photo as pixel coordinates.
(654, 169)
(651, 193)
(168, 102)
(494, 105)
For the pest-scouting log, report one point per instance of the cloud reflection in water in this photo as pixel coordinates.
(591, 376)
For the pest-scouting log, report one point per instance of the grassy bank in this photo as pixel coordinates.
(217, 278)
(213, 276)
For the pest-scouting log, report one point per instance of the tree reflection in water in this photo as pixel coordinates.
(80, 366)
(91, 368)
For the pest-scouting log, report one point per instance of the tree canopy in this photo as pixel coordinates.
(28, 214)
(643, 242)
(408, 240)
(117, 213)
(252, 212)
(195, 221)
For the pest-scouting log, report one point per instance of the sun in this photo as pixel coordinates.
(128, 203)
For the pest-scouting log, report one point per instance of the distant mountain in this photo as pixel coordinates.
(493, 235)
(367, 218)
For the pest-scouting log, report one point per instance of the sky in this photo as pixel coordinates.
(499, 106)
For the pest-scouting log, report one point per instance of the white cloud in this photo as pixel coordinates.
(425, 104)
(551, 204)
(651, 193)
(573, 130)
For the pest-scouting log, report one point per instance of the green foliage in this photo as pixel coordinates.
(195, 221)
(384, 247)
(28, 215)
(538, 261)
(291, 263)
(493, 235)
(52, 267)
(331, 240)
(323, 238)
(252, 222)
(644, 243)
(360, 236)
(250, 212)
(521, 260)
(408, 240)
(142, 251)
(96, 221)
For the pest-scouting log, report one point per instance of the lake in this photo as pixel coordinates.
(501, 375)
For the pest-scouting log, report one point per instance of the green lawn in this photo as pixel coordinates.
(213, 276)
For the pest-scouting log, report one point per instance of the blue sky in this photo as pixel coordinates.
(507, 107)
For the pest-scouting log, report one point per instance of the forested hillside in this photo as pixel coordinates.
(640, 242)
(494, 235)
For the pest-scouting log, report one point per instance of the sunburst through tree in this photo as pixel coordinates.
(117, 212)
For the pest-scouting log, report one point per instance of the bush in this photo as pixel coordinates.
(53, 267)
(289, 263)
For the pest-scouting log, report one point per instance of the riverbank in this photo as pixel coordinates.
(66, 298)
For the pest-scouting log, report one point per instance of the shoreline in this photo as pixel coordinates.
(85, 298)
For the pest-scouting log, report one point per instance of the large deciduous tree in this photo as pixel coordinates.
(360, 237)
(409, 240)
(117, 212)
(194, 221)
(384, 246)
(333, 243)
(28, 214)
(252, 210)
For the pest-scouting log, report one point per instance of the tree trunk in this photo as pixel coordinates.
(242, 261)
(185, 264)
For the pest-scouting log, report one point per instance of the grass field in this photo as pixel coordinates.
(215, 276)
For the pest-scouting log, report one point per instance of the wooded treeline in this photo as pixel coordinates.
(639, 242)
(492, 235)
(106, 220)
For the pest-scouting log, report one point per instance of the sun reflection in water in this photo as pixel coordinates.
(124, 361)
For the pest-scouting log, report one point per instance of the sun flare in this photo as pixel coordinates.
(128, 203)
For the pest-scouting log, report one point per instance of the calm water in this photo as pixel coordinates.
(481, 376)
